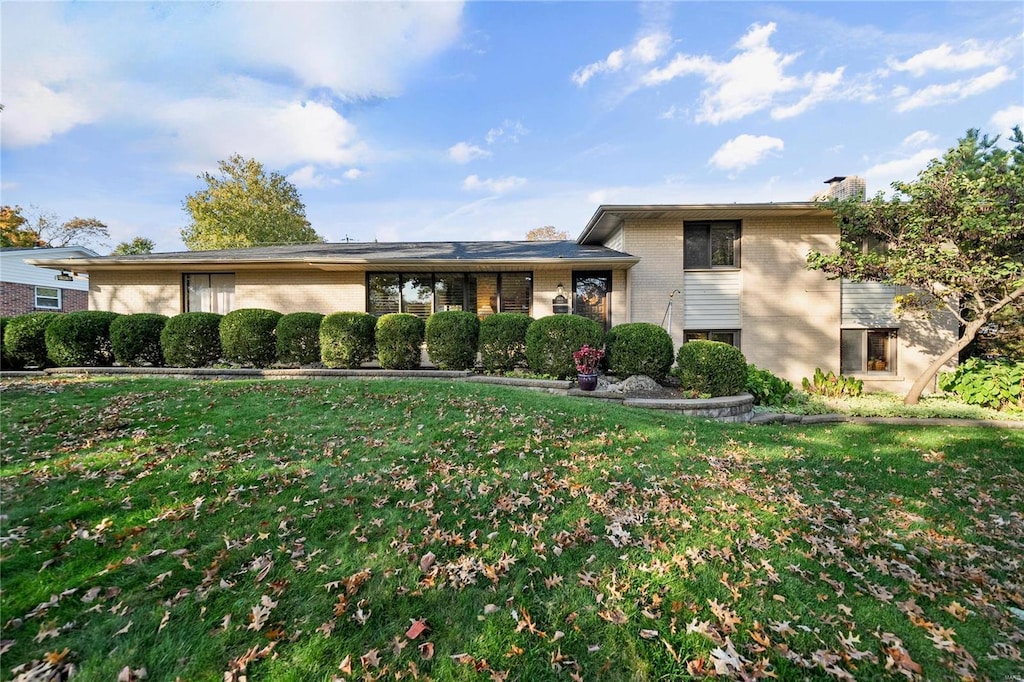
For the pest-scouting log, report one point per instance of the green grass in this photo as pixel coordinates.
(294, 530)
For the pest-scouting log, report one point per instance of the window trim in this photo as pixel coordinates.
(59, 297)
(709, 226)
(892, 351)
(736, 336)
(184, 290)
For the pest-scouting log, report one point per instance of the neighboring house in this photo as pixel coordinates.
(25, 288)
(738, 270)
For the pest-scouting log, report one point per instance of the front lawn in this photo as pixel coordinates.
(319, 530)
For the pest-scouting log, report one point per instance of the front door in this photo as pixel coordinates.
(591, 299)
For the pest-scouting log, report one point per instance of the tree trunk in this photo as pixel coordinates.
(970, 331)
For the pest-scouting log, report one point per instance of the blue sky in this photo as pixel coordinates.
(448, 121)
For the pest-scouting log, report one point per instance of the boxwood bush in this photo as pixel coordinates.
(25, 338)
(502, 342)
(711, 368)
(346, 339)
(398, 338)
(298, 338)
(191, 340)
(81, 339)
(639, 348)
(135, 339)
(452, 338)
(247, 337)
(551, 341)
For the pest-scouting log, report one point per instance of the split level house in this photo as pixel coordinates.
(735, 273)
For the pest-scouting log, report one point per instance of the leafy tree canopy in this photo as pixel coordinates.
(134, 247)
(548, 233)
(954, 236)
(244, 206)
(45, 228)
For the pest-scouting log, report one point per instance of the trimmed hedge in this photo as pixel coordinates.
(247, 337)
(398, 338)
(81, 339)
(551, 341)
(298, 338)
(136, 339)
(25, 338)
(711, 368)
(346, 339)
(5, 361)
(452, 338)
(502, 342)
(191, 340)
(639, 348)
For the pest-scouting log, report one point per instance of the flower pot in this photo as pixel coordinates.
(587, 382)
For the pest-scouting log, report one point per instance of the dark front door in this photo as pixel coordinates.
(591, 298)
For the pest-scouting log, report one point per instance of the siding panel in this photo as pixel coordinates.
(711, 300)
(868, 304)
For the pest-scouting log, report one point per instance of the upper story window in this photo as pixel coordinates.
(48, 298)
(209, 292)
(711, 245)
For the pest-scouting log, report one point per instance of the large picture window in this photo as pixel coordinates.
(867, 351)
(209, 293)
(421, 294)
(711, 245)
(48, 298)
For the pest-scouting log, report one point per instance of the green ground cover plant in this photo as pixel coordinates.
(378, 529)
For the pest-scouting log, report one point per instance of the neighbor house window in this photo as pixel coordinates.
(729, 336)
(867, 350)
(421, 294)
(209, 293)
(711, 245)
(48, 298)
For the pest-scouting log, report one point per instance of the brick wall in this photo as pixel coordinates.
(18, 299)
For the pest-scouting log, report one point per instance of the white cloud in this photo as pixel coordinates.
(464, 152)
(276, 133)
(919, 139)
(969, 56)
(753, 80)
(1005, 119)
(884, 174)
(955, 91)
(645, 50)
(353, 174)
(496, 185)
(509, 130)
(745, 150)
(307, 177)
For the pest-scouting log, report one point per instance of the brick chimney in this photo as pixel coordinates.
(843, 187)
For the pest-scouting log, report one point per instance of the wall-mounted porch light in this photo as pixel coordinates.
(64, 276)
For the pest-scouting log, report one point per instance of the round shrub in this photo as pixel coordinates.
(346, 339)
(452, 337)
(136, 339)
(191, 340)
(503, 341)
(81, 339)
(298, 338)
(711, 368)
(639, 348)
(551, 341)
(398, 338)
(247, 337)
(25, 339)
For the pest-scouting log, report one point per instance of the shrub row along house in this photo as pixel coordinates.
(727, 272)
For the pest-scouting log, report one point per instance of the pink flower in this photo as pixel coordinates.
(586, 359)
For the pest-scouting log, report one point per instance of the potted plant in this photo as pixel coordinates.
(586, 359)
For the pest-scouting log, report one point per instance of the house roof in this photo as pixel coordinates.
(608, 218)
(406, 256)
(17, 265)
